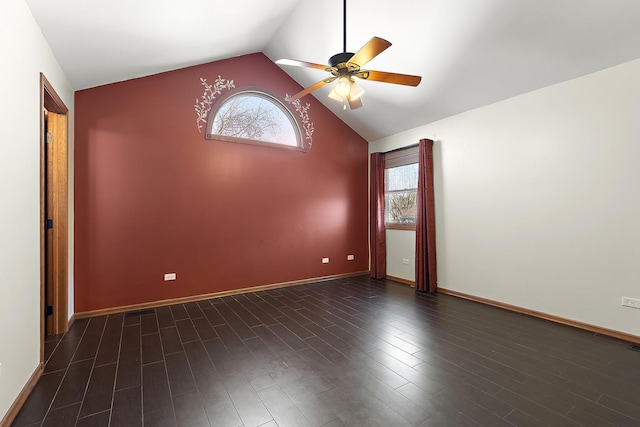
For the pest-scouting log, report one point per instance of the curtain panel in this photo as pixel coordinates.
(377, 239)
(426, 273)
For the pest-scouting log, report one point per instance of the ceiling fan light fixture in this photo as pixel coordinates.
(333, 95)
(352, 96)
(356, 91)
(343, 87)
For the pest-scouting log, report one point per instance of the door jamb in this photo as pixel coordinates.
(50, 101)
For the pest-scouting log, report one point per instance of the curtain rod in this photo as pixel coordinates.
(401, 148)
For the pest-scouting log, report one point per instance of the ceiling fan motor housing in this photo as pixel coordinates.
(340, 58)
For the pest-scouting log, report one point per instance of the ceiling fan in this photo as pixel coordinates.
(346, 65)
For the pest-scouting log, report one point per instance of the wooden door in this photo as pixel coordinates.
(53, 214)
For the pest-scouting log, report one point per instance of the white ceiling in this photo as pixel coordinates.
(470, 53)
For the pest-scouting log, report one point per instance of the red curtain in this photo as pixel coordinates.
(426, 275)
(377, 241)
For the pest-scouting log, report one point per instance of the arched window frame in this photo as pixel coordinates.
(302, 143)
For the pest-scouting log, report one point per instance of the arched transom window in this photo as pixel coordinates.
(252, 116)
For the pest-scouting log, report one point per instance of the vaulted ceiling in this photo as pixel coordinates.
(469, 53)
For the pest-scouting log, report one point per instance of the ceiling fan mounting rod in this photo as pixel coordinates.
(344, 26)
(341, 60)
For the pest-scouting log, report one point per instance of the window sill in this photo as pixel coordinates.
(409, 227)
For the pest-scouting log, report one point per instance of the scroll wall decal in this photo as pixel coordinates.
(203, 106)
(303, 111)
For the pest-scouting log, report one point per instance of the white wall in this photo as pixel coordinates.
(24, 54)
(401, 245)
(538, 198)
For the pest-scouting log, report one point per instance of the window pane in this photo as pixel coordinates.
(401, 178)
(400, 194)
(253, 117)
(400, 207)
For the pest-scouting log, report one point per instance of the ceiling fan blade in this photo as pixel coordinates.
(395, 78)
(296, 63)
(311, 88)
(355, 103)
(370, 50)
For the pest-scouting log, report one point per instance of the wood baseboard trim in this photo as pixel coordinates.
(183, 300)
(557, 319)
(12, 413)
(401, 280)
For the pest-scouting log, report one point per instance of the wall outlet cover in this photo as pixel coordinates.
(631, 302)
(325, 260)
(169, 276)
(350, 257)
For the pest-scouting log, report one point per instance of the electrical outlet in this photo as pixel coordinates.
(350, 257)
(405, 261)
(325, 260)
(169, 276)
(631, 302)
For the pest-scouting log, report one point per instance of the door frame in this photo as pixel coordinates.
(58, 124)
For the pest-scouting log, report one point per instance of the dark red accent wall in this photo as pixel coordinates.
(153, 196)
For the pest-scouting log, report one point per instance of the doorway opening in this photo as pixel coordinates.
(53, 213)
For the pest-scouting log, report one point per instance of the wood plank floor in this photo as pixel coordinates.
(349, 352)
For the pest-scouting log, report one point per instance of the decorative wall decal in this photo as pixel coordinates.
(203, 106)
(303, 111)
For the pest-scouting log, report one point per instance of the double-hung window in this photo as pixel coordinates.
(401, 188)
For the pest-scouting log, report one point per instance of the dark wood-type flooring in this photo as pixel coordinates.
(349, 352)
